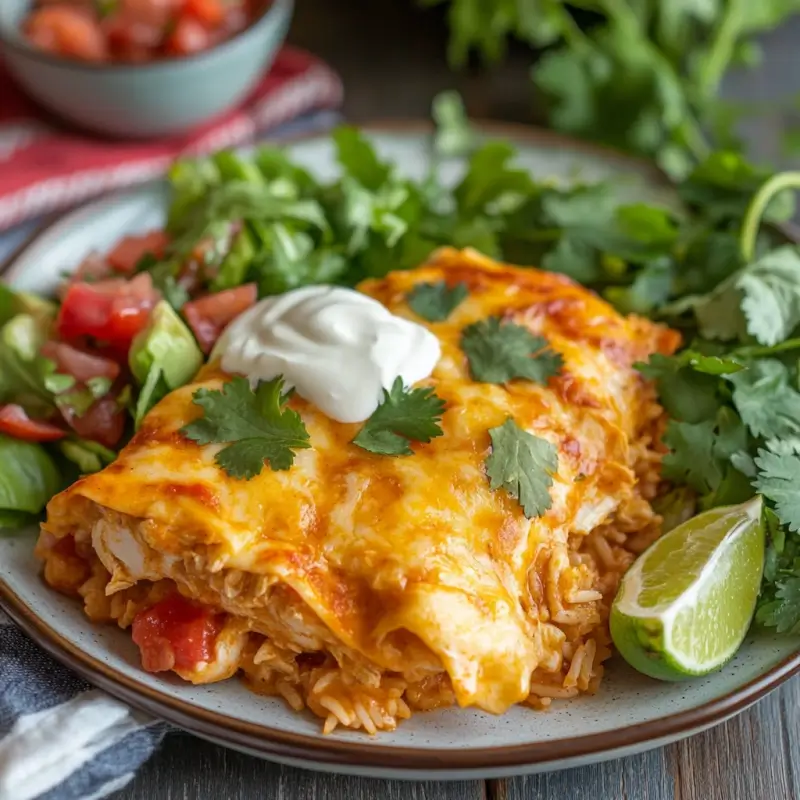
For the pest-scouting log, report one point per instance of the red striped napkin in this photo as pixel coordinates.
(45, 166)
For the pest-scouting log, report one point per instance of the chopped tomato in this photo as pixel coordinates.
(209, 12)
(112, 311)
(128, 252)
(104, 422)
(237, 16)
(135, 30)
(189, 36)
(175, 633)
(67, 31)
(93, 268)
(81, 365)
(207, 316)
(150, 12)
(130, 38)
(17, 424)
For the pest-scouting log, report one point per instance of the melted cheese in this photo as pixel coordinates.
(409, 564)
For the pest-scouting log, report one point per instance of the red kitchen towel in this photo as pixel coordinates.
(45, 166)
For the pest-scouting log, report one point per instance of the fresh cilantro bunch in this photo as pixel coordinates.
(733, 396)
(641, 75)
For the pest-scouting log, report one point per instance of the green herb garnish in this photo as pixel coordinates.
(778, 480)
(435, 302)
(255, 425)
(404, 415)
(501, 351)
(523, 465)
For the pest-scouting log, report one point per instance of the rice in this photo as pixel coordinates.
(552, 691)
(290, 695)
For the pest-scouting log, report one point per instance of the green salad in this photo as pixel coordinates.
(79, 372)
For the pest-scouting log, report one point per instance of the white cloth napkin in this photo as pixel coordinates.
(60, 739)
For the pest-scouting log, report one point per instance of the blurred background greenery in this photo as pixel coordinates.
(642, 75)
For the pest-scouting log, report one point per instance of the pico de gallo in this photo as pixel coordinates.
(89, 352)
(135, 30)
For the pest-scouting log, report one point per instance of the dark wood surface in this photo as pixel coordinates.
(391, 56)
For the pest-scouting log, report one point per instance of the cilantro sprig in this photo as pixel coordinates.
(523, 465)
(435, 302)
(639, 76)
(779, 480)
(255, 425)
(500, 351)
(404, 415)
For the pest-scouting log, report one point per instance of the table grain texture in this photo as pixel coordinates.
(391, 56)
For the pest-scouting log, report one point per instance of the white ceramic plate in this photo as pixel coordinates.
(631, 713)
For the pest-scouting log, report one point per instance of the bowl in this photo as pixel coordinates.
(158, 98)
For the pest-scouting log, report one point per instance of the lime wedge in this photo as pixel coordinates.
(684, 606)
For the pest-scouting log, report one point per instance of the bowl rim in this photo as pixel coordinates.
(275, 9)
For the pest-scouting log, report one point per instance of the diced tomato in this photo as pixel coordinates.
(104, 422)
(112, 311)
(150, 12)
(189, 36)
(128, 251)
(81, 365)
(135, 30)
(237, 15)
(67, 31)
(209, 12)
(207, 316)
(93, 268)
(17, 424)
(175, 633)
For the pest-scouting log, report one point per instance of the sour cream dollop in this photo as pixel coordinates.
(336, 347)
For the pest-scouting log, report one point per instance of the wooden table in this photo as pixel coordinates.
(391, 56)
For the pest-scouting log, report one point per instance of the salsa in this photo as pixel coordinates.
(176, 633)
(135, 30)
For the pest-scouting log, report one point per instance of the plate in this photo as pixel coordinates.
(629, 714)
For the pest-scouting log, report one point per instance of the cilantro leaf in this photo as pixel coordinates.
(491, 181)
(701, 456)
(762, 299)
(358, 158)
(768, 404)
(710, 365)
(782, 613)
(454, 135)
(404, 415)
(771, 295)
(580, 207)
(723, 184)
(255, 424)
(650, 288)
(686, 393)
(691, 459)
(288, 260)
(572, 256)
(499, 351)
(523, 465)
(436, 301)
(778, 479)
